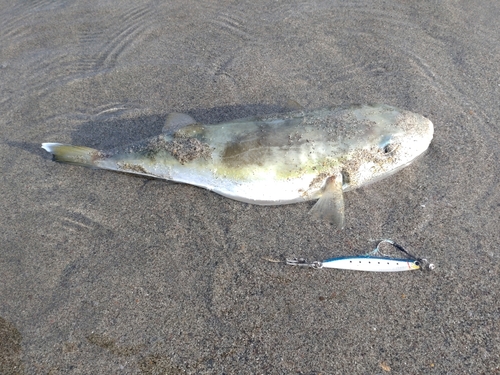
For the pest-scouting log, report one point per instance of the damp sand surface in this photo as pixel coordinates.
(107, 273)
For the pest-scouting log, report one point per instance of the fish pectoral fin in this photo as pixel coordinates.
(176, 121)
(330, 207)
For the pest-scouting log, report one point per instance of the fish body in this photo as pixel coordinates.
(274, 159)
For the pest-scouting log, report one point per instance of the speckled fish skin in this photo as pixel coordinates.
(274, 159)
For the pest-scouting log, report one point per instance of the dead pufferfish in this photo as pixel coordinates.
(274, 159)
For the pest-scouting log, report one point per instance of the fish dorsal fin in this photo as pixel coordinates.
(294, 105)
(330, 207)
(176, 121)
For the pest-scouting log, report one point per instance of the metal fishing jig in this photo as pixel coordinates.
(374, 261)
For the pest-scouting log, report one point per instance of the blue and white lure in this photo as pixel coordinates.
(374, 261)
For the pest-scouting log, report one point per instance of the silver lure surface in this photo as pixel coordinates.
(371, 263)
(362, 263)
(274, 159)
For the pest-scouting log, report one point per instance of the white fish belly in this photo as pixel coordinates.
(259, 191)
(265, 193)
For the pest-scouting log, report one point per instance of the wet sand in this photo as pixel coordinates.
(107, 273)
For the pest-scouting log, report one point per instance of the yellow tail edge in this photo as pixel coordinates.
(78, 155)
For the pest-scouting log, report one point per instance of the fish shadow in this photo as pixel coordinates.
(110, 133)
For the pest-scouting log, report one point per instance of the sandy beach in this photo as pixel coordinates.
(109, 273)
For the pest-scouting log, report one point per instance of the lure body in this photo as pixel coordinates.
(371, 263)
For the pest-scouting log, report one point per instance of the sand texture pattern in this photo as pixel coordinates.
(108, 273)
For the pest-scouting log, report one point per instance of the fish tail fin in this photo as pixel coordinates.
(78, 155)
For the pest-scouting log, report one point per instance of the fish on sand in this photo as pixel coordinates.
(273, 159)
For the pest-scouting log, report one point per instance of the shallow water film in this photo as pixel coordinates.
(107, 273)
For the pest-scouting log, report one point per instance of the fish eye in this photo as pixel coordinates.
(388, 148)
(385, 144)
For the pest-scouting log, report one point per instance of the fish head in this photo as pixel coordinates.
(395, 139)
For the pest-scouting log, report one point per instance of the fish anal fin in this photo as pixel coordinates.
(330, 206)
